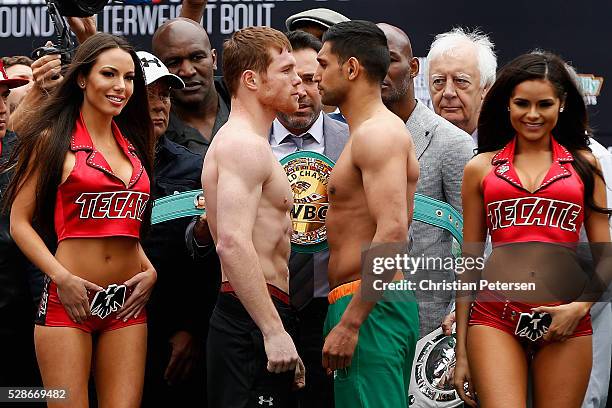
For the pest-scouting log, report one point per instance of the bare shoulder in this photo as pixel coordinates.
(478, 166)
(589, 156)
(384, 135)
(244, 153)
(384, 128)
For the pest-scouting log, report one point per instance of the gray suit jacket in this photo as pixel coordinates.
(442, 150)
(335, 136)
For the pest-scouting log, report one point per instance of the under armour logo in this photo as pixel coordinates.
(268, 401)
(533, 325)
(108, 300)
(145, 62)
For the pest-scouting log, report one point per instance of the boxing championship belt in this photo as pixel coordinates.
(308, 174)
(431, 378)
(439, 214)
(186, 204)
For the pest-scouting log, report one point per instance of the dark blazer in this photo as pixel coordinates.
(16, 302)
(182, 287)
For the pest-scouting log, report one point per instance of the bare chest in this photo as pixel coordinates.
(345, 181)
(277, 191)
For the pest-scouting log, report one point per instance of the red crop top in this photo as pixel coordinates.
(552, 213)
(93, 202)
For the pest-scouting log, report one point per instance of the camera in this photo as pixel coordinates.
(79, 8)
(57, 9)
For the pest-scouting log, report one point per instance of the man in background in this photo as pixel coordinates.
(202, 106)
(183, 297)
(462, 67)
(19, 67)
(442, 150)
(314, 21)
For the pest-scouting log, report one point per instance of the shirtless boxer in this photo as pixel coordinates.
(252, 358)
(370, 345)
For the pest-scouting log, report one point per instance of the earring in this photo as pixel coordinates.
(508, 108)
(561, 109)
(82, 84)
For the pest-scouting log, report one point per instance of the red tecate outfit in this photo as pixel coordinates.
(553, 213)
(93, 203)
(51, 312)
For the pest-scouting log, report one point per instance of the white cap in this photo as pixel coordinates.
(154, 69)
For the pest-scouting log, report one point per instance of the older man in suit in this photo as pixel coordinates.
(309, 129)
(442, 150)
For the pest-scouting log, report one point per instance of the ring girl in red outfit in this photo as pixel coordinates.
(532, 186)
(81, 180)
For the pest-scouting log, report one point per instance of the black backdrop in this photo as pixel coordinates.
(572, 29)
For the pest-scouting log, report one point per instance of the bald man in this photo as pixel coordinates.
(202, 107)
(442, 150)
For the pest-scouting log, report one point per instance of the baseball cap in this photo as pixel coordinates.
(322, 16)
(10, 83)
(154, 69)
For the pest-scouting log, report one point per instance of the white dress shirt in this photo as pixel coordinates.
(312, 144)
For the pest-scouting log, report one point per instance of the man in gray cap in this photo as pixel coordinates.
(315, 21)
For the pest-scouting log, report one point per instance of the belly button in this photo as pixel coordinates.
(107, 258)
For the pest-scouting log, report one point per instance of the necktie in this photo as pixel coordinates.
(301, 266)
(298, 141)
(301, 279)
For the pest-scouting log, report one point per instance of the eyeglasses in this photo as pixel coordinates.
(164, 97)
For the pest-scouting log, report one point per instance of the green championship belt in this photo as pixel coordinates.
(178, 205)
(308, 174)
(439, 214)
